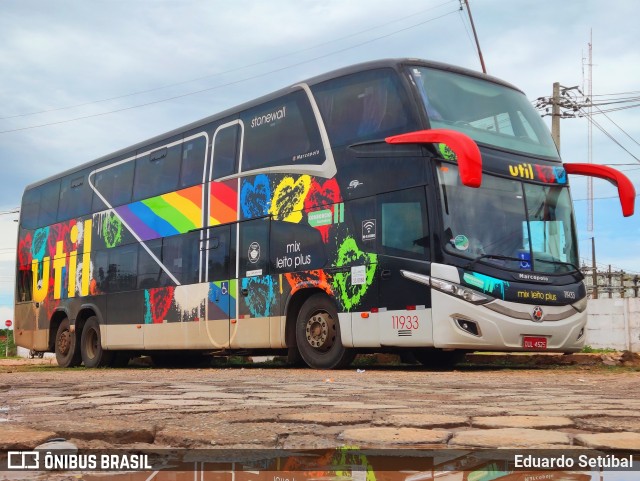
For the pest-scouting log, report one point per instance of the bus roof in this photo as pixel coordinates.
(394, 63)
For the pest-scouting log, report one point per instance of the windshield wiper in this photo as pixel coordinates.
(562, 263)
(492, 256)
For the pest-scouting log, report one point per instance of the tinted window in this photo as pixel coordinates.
(114, 184)
(49, 195)
(122, 270)
(75, 197)
(157, 172)
(150, 274)
(100, 262)
(181, 255)
(24, 284)
(403, 225)
(363, 106)
(219, 253)
(281, 132)
(193, 153)
(225, 151)
(29, 209)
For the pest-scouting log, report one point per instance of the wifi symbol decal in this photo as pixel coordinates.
(368, 229)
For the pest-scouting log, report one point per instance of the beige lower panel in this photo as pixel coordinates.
(187, 335)
(277, 325)
(251, 332)
(122, 336)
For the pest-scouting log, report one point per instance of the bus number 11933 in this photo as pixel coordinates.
(405, 322)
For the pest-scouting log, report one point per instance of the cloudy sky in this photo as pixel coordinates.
(83, 78)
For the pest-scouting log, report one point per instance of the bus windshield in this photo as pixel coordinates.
(489, 113)
(509, 223)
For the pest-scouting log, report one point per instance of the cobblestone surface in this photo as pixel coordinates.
(302, 408)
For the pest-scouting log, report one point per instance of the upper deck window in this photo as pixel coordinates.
(283, 131)
(487, 112)
(364, 106)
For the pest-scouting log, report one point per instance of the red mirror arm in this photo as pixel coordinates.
(626, 191)
(466, 150)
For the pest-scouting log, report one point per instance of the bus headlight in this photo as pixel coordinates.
(459, 291)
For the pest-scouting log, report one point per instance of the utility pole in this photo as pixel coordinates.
(475, 35)
(594, 272)
(555, 114)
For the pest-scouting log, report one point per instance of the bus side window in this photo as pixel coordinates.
(122, 271)
(24, 284)
(75, 197)
(157, 172)
(181, 255)
(49, 195)
(192, 168)
(29, 209)
(363, 106)
(225, 151)
(219, 254)
(114, 184)
(403, 223)
(150, 273)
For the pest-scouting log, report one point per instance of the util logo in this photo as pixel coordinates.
(522, 170)
(42, 269)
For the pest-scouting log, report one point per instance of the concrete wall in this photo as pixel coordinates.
(614, 323)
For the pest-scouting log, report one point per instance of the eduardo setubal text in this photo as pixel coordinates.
(581, 461)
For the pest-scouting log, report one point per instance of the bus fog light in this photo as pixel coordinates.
(468, 326)
(580, 334)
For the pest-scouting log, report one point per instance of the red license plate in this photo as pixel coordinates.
(537, 343)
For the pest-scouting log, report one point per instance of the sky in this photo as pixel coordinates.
(83, 79)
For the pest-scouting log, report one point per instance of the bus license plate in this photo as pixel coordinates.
(538, 343)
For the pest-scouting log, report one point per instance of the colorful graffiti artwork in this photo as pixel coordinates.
(255, 197)
(288, 198)
(321, 204)
(221, 300)
(262, 297)
(349, 254)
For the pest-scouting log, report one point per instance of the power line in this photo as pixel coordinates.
(229, 83)
(218, 74)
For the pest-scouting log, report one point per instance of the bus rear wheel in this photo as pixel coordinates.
(93, 355)
(66, 346)
(318, 335)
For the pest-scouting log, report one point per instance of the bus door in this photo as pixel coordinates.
(257, 322)
(402, 237)
(218, 266)
(220, 274)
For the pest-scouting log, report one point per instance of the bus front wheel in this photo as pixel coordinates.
(93, 355)
(318, 335)
(66, 346)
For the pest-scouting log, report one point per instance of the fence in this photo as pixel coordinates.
(611, 284)
(614, 323)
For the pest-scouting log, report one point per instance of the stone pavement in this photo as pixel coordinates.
(302, 408)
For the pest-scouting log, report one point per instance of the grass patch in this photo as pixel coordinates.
(589, 350)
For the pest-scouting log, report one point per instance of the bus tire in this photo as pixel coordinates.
(318, 335)
(438, 359)
(93, 355)
(66, 346)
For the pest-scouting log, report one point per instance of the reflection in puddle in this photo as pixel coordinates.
(350, 464)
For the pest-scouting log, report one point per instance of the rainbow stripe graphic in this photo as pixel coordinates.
(179, 212)
(224, 202)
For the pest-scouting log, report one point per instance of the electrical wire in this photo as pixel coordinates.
(218, 74)
(228, 83)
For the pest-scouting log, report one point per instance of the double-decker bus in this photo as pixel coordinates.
(397, 204)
